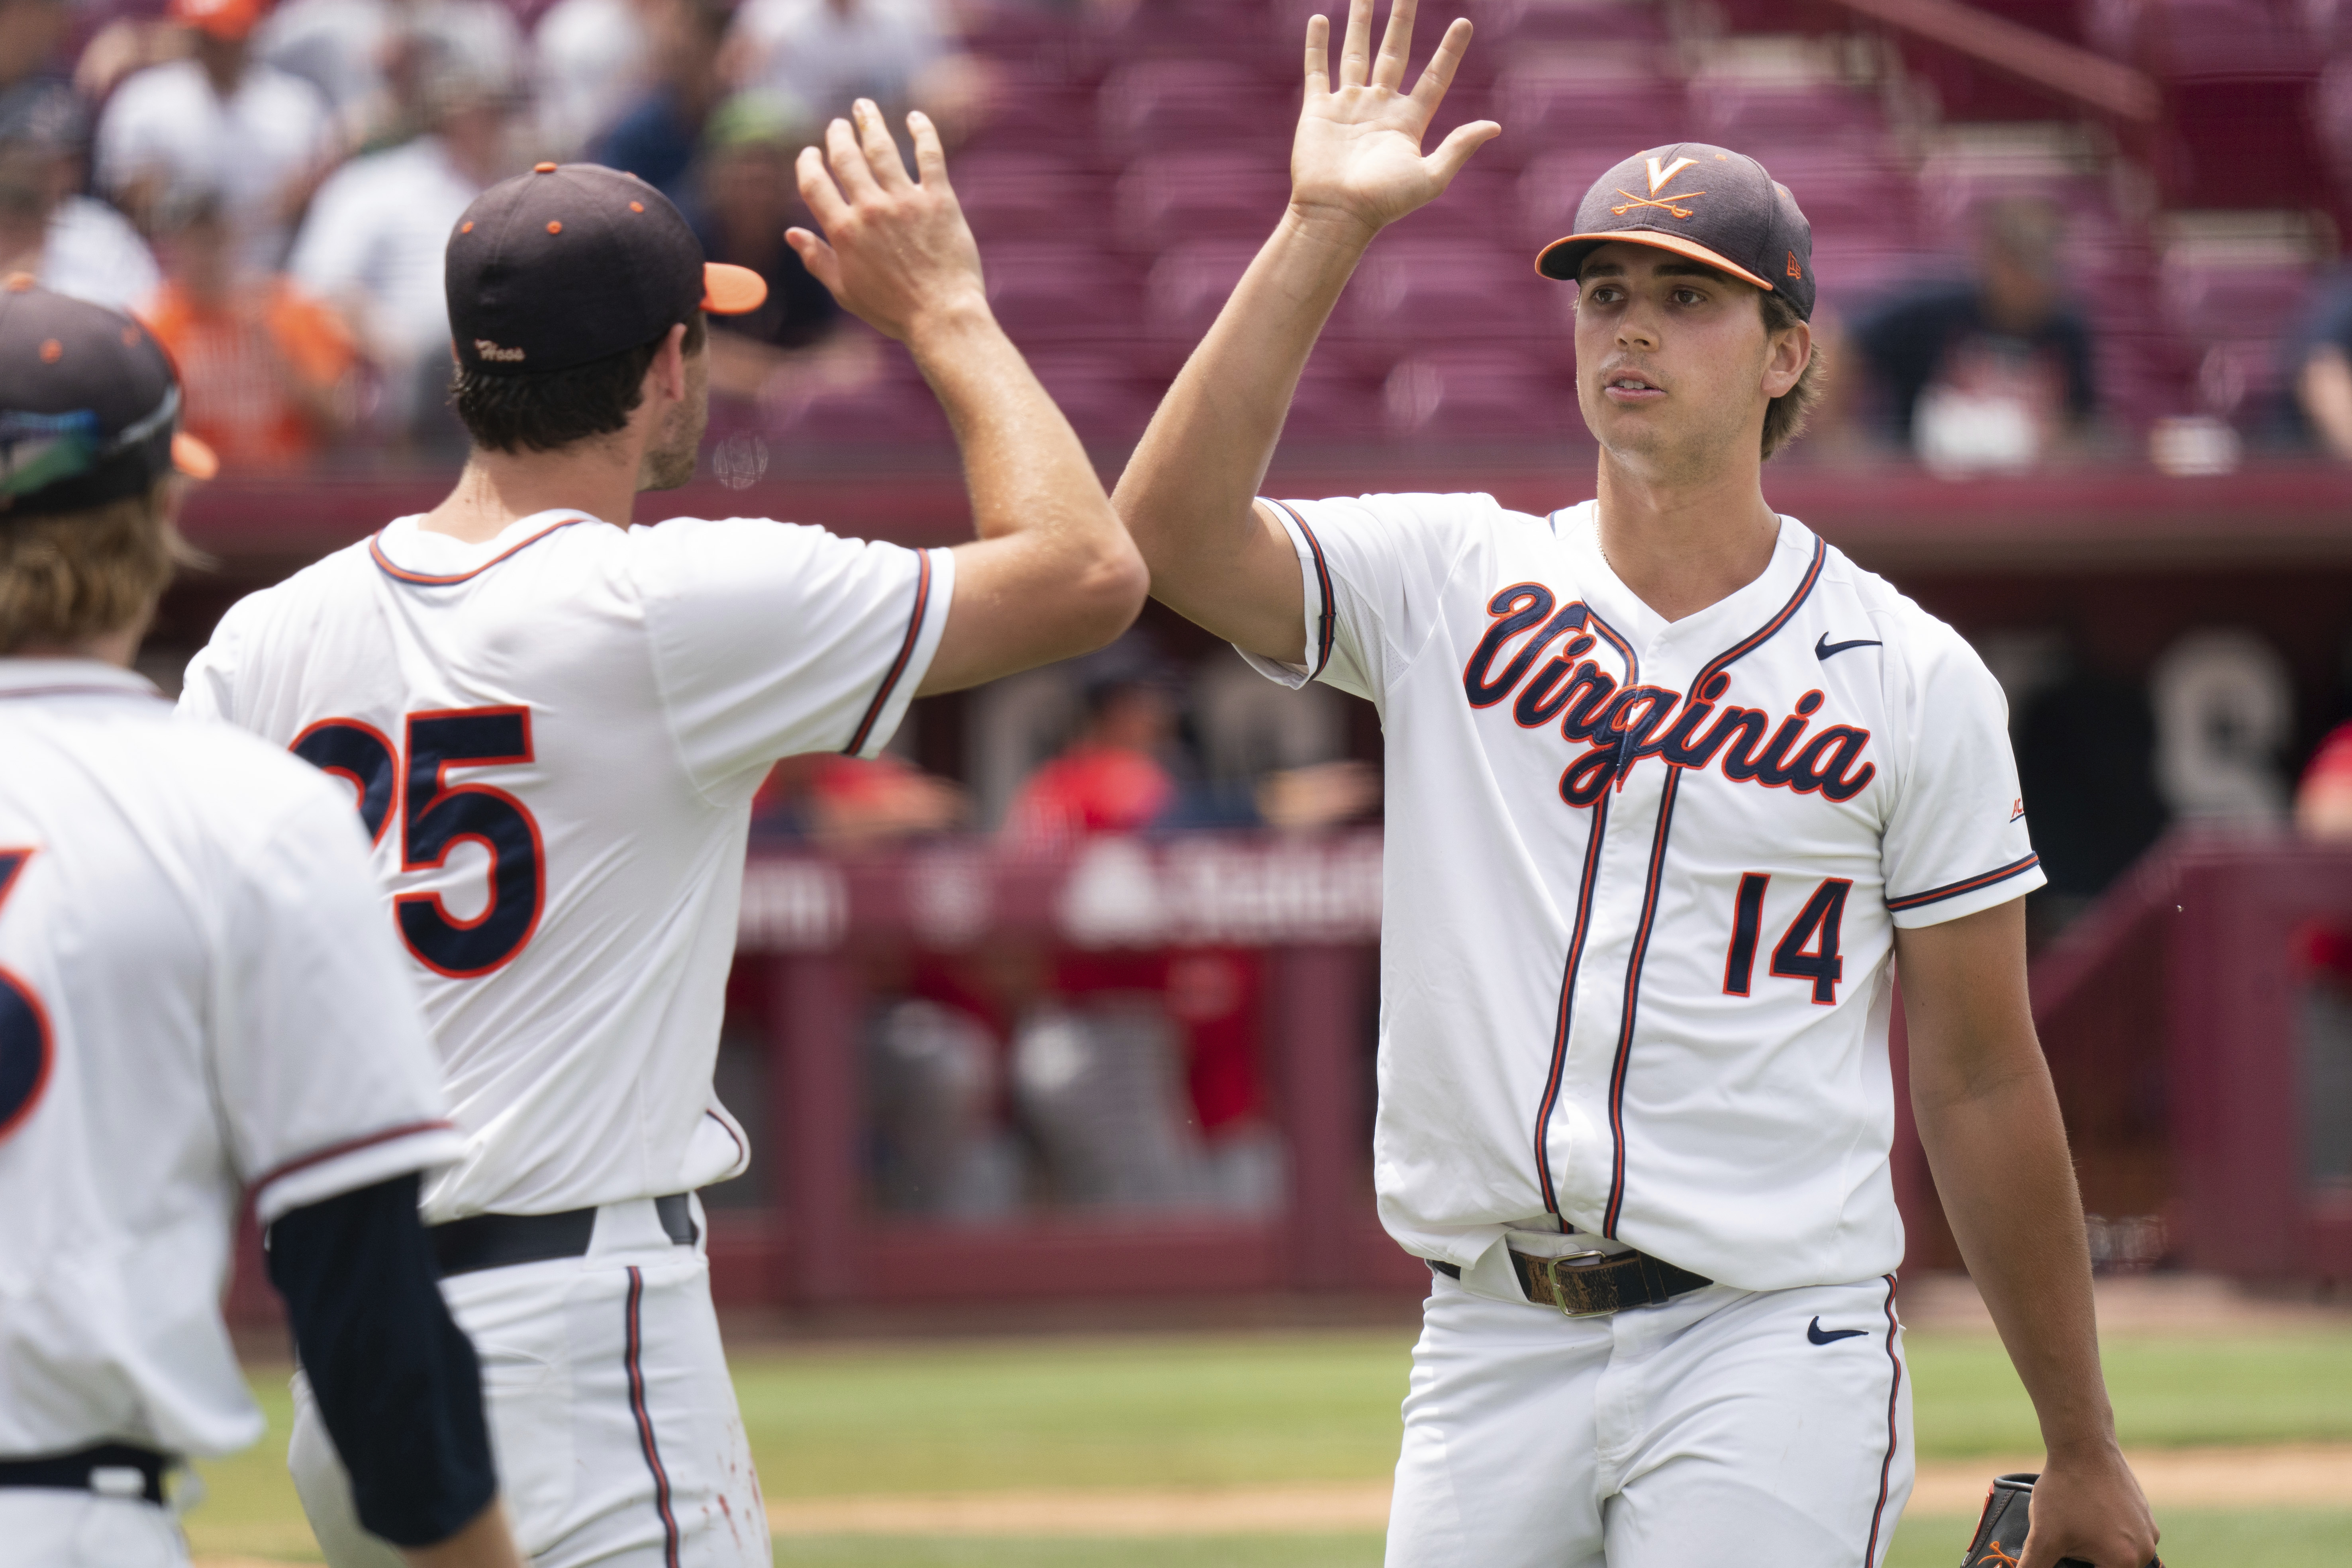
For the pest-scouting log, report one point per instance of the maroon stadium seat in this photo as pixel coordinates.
(1471, 395)
(1551, 108)
(1051, 119)
(1032, 195)
(1335, 405)
(1167, 199)
(1176, 105)
(1044, 293)
(1103, 394)
(897, 411)
(1190, 285)
(1766, 119)
(1434, 292)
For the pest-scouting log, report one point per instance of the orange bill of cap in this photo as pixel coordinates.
(732, 290)
(228, 20)
(1656, 241)
(192, 457)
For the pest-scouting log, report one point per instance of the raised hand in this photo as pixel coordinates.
(896, 251)
(1357, 162)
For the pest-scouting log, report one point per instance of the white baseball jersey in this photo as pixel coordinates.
(554, 738)
(1643, 877)
(197, 997)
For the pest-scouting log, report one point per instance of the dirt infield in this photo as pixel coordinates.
(2299, 1475)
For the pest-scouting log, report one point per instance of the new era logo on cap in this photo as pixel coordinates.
(575, 262)
(1704, 202)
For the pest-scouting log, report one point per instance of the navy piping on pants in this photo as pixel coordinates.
(645, 1422)
(1886, 1467)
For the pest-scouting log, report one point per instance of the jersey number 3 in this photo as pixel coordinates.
(1808, 949)
(436, 815)
(25, 1048)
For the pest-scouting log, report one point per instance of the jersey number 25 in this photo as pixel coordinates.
(25, 1047)
(436, 815)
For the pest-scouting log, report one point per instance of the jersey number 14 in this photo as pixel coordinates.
(1808, 949)
(436, 815)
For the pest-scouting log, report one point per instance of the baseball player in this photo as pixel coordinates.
(1671, 784)
(552, 724)
(197, 999)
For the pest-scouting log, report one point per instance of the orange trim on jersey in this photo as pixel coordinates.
(1954, 889)
(897, 666)
(429, 579)
(1325, 631)
(348, 1146)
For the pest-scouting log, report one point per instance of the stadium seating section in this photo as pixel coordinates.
(1129, 170)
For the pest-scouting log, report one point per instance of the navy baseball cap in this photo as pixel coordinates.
(89, 405)
(1707, 203)
(574, 262)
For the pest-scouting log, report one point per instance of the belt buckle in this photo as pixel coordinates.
(1574, 1262)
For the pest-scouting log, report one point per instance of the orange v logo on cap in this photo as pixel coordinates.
(1665, 176)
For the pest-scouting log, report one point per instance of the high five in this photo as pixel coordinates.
(1671, 784)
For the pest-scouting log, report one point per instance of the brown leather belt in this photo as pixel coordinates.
(1595, 1284)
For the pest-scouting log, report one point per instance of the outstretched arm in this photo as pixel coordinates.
(1356, 166)
(1989, 1118)
(1052, 573)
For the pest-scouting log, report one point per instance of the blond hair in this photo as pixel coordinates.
(66, 577)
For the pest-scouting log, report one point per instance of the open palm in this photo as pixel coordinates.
(1357, 159)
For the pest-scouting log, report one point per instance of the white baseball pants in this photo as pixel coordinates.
(1725, 1428)
(40, 1528)
(612, 1417)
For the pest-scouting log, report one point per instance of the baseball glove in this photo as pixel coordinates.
(2001, 1532)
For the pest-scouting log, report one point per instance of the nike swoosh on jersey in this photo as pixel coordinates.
(1820, 1336)
(1823, 648)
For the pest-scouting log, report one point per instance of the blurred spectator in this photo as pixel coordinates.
(2323, 813)
(592, 59)
(1142, 1084)
(848, 804)
(1112, 777)
(2323, 800)
(2086, 745)
(827, 54)
(74, 244)
(1989, 373)
(932, 1085)
(372, 242)
(364, 55)
(218, 122)
(30, 34)
(746, 198)
(655, 138)
(2322, 369)
(268, 371)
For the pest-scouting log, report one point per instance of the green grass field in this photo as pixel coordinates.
(1267, 1409)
